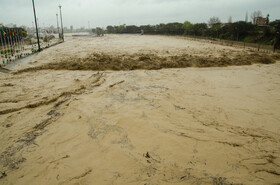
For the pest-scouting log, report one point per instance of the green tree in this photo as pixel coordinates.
(110, 29)
(214, 21)
(99, 31)
(187, 26)
(199, 29)
(121, 28)
(133, 29)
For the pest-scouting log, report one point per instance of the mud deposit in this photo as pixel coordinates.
(80, 113)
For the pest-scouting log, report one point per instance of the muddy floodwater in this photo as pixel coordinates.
(14, 65)
(132, 109)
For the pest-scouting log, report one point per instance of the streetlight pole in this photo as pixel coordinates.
(61, 22)
(57, 24)
(39, 49)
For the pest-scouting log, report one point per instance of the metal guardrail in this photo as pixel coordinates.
(20, 48)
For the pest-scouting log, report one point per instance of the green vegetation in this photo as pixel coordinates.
(98, 31)
(237, 31)
(3, 52)
(47, 38)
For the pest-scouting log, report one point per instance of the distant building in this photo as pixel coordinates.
(261, 21)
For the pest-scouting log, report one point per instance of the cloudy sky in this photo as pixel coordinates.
(131, 12)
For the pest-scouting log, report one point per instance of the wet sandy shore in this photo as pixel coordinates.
(217, 125)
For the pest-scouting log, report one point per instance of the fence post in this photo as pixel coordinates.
(258, 47)
(2, 53)
(244, 45)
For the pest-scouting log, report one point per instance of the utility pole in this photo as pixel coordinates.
(33, 29)
(61, 22)
(57, 24)
(39, 49)
(38, 25)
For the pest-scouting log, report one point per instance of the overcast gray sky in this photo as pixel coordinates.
(138, 12)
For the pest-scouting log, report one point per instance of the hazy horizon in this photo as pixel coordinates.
(100, 13)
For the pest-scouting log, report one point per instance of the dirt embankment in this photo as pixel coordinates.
(104, 61)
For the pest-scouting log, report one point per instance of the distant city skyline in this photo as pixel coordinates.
(101, 13)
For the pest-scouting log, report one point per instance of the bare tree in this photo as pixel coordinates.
(214, 20)
(256, 14)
